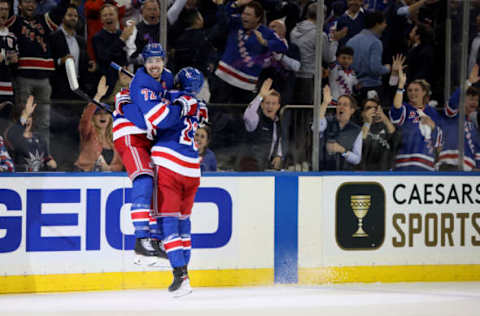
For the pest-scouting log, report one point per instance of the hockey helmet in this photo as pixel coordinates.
(189, 79)
(153, 50)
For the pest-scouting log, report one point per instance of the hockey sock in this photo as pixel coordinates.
(155, 229)
(141, 200)
(185, 235)
(172, 242)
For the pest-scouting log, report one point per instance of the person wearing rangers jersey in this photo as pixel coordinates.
(133, 144)
(248, 43)
(8, 54)
(420, 126)
(8, 60)
(177, 165)
(342, 77)
(35, 62)
(448, 158)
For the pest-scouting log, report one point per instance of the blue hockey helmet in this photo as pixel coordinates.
(189, 79)
(153, 50)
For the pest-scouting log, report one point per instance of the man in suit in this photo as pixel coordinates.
(66, 44)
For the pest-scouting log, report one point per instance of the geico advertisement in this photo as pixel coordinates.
(82, 224)
(402, 219)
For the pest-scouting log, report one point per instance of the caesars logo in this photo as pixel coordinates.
(360, 215)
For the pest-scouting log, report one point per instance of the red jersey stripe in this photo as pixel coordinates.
(175, 159)
(234, 74)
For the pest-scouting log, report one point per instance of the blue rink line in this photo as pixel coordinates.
(286, 229)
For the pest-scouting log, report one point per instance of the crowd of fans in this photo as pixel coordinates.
(383, 65)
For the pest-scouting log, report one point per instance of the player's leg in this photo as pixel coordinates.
(169, 194)
(134, 151)
(185, 235)
(190, 187)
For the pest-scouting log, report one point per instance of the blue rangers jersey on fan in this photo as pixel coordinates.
(174, 146)
(416, 153)
(244, 56)
(449, 153)
(145, 92)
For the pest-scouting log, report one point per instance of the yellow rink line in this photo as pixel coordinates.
(130, 280)
(410, 273)
(240, 277)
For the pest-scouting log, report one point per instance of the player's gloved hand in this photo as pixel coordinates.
(202, 113)
(122, 98)
(189, 105)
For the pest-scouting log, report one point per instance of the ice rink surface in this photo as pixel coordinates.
(402, 299)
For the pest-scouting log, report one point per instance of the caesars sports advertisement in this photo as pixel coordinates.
(402, 220)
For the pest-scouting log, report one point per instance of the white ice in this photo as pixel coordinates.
(402, 299)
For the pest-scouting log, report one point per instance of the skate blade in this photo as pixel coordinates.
(182, 292)
(184, 289)
(151, 261)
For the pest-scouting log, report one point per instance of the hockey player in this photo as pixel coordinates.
(177, 168)
(132, 142)
(448, 158)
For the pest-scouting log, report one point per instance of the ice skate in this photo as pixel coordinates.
(145, 253)
(181, 283)
(158, 246)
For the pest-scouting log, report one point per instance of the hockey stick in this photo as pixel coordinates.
(117, 67)
(73, 82)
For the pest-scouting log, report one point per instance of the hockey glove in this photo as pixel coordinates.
(122, 98)
(189, 105)
(202, 113)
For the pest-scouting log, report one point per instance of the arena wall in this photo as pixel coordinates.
(72, 231)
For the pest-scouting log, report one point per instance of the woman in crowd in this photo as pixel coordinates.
(96, 138)
(30, 150)
(208, 160)
(419, 124)
(380, 138)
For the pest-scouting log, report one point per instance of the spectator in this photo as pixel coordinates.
(367, 60)
(380, 138)
(341, 77)
(6, 163)
(475, 46)
(192, 48)
(45, 6)
(263, 130)
(109, 44)
(377, 5)
(96, 142)
(420, 57)
(92, 10)
(35, 63)
(340, 138)
(66, 44)
(208, 161)
(448, 157)
(30, 150)
(401, 16)
(8, 60)
(247, 44)
(419, 124)
(148, 30)
(303, 35)
(282, 68)
(353, 19)
(304, 5)
(288, 12)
